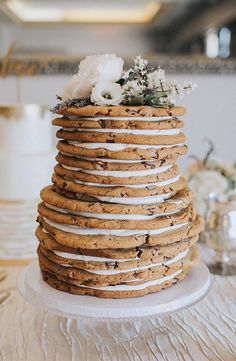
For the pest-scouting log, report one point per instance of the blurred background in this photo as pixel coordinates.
(42, 42)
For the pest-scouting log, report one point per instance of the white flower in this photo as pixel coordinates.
(106, 67)
(205, 182)
(155, 78)
(93, 69)
(68, 90)
(105, 93)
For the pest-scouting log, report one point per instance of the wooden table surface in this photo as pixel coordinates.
(206, 331)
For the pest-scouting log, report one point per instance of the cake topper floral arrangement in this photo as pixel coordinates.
(101, 80)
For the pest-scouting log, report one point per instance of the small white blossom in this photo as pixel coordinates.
(132, 88)
(155, 78)
(179, 90)
(189, 87)
(140, 63)
(105, 93)
(174, 88)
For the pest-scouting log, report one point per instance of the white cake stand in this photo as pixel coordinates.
(184, 294)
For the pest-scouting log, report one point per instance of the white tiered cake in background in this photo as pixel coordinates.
(26, 157)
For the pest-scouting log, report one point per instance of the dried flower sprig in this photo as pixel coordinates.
(70, 103)
(147, 85)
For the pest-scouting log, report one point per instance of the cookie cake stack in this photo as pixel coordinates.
(118, 220)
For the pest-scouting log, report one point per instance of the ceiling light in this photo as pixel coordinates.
(111, 12)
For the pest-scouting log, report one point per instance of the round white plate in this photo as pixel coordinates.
(37, 292)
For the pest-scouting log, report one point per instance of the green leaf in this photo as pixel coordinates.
(139, 100)
(154, 101)
(151, 100)
(161, 95)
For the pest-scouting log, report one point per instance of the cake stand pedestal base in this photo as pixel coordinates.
(184, 294)
(108, 322)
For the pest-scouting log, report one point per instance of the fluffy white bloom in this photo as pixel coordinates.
(155, 78)
(106, 67)
(105, 93)
(77, 87)
(93, 69)
(205, 182)
(68, 90)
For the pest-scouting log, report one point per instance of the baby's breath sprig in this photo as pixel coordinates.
(145, 85)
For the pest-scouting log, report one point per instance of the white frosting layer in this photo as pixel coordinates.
(107, 160)
(120, 174)
(120, 146)
(135, 200)
(143, 119)
(136, 287)
(81, 257)
(146, 185)
(139, 217)
(114, 232)
(114, 272)
(127, 131)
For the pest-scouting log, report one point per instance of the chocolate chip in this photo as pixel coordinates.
(147, 237)
(111, 264)
(139, 254)
(103, 123)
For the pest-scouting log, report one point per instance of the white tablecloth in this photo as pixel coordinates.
(206, 331)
